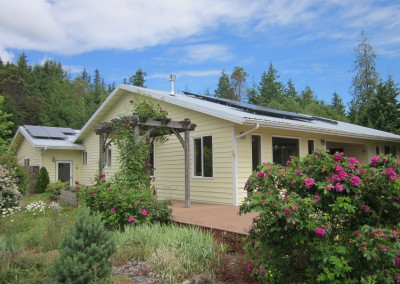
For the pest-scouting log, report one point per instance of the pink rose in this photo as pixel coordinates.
(144, 212)
(131, 219)
(320, 232)
(355, 181)
(261, 174)
(112, 210)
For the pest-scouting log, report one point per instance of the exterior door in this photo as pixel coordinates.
(64, 171)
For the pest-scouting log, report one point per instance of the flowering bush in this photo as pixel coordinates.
(120, 204)
(9, 193)
(325, 218)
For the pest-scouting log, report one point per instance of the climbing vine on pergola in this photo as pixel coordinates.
(142, 124)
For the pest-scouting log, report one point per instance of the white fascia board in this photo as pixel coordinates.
(96, 113)
(319, 130)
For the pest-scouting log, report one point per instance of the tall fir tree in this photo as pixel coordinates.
(364, 81)
(224, 89)
(338, 109)
(384, 108)
(138, 78)
(6, 128)
(270, 89)
(290, 91)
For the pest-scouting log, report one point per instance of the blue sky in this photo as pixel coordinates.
(309, 41)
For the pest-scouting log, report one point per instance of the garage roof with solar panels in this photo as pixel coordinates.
(45, 132)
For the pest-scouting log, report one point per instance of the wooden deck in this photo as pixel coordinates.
(214, 216)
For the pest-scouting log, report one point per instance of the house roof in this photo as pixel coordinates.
(48, 137)
(241, 116)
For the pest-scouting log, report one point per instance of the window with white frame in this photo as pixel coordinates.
(203, 156)
(283, 148)
(108, 157)
(84, 158)
(390, 150)
(255, 151)
(26, 162)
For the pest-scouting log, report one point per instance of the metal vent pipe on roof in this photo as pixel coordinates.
(172, 79)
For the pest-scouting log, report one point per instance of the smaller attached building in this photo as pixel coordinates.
(50, 147)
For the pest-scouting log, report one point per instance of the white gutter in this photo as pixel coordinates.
(320, 130)
(249, 131)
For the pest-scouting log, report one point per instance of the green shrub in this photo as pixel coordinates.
(325, 218)
(43, 180)
(20, 175)
(84, 253)
(54, 189)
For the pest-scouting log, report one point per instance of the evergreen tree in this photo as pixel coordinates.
(269, 88)
(138, 79)
(84, 253)
(5, 128)
(384, 108)
(224, 89)
(238, 82)
(364, 82)
(290, 91)
(42, 181)
(338, 110)
(307, 96)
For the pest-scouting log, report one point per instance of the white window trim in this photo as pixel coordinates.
(108, 163)
(289, 137)
(84, 158)
(311, 139)
(202, 157)
(27, 162)
(380, 150)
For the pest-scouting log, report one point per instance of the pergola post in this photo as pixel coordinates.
(101, 153)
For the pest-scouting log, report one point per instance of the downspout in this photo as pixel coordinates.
(235, 182)
(247, 132)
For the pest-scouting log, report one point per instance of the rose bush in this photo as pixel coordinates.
(120, 204)
(325, 218)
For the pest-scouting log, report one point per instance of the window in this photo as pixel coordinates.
(311, 146)
(283, 148)
(390, 150)
(108, 158)
(378, 150)
(203, 157)
(26, 162)
(84, 158)
(255, 151)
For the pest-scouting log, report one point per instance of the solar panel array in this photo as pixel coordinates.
(256, 109)
(49, 132)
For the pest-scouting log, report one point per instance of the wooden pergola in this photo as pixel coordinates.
(104, 129)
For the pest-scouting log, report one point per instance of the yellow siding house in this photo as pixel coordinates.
(230, 140)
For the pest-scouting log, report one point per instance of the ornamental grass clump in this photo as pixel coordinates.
(325, 218)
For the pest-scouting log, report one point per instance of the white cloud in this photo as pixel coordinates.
(5, 55)
(78, 26)
(198, 53)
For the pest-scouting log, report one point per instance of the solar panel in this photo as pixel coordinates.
(67, 131)
(256, 109)
(45, 132)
